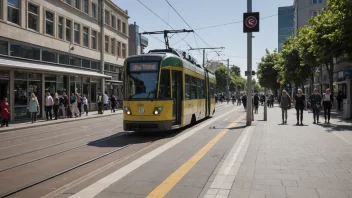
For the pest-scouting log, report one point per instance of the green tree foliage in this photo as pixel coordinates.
(236, 70)
(221, 80)
(268, 70)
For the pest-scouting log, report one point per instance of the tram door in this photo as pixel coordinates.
(177, 96)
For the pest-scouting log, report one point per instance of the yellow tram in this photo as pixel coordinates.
(165, 90)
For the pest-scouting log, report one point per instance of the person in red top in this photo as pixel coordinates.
(5, 112)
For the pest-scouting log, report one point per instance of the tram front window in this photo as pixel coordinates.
(142, 81)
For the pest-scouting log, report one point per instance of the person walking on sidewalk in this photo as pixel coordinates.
(79, 104)
(113, 103)
(244, 101)
(106, 100)
(48, 106)
(285, 104)
(56, 105)
(74, 109)
(327, 103)
(100, 103)
(315, 101)
(33, 107)
(299, 101)
(5, 112)
(339, 99)
(256, 103)
(85, 104)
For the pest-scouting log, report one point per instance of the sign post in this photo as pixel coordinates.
(250, 24)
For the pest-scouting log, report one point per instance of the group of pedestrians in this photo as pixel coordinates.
(315, 100)
(103, 102)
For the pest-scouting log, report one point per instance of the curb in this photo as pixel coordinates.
(52, 123)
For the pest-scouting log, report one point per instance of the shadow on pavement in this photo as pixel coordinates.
(334, 127)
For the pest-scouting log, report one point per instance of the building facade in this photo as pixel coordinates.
(304, 9)
(137, 42)
(72, 46)
(285, 24)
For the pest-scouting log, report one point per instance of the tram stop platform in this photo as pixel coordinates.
(222, 157)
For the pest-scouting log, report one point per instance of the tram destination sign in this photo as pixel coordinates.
(139, 67)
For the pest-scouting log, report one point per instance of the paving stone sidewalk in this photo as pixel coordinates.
(295, 161)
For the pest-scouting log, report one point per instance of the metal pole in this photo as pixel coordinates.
(249, 70)
(265, 105)
(204, 58)
(228, 78)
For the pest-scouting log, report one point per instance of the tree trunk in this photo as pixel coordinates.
(311, 83)
(331, 77)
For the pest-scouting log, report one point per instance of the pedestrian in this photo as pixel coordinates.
(33, 107)
(244, 101)
(300, 101)
(56, 105)
(315, 101)
(339, 99)
(327, 103)
(5, 112)
(48, 106)
(256, 103)
(74, 109)
(100, 103)
(85, 104)
(113, 103)
(66, 105)
(106, 100)
(285, 104)
(79, 104)
(239, 101)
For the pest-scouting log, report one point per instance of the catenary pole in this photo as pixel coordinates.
(249, 70)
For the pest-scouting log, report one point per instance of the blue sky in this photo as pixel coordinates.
(204, 13)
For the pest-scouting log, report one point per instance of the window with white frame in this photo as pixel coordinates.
(94, 9)
(94, 39)
(13, 11)
(123, 50)
(118, 48)
(106, 44)
(60, 30)
(85, 36)
(49, 23)
(107, 17)
(113, 46)
(68, 30)
(113, 21)
(33, 17)
(77, 28)
(78, 4)
(85, 6)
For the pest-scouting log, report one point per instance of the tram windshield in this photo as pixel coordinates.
(142, 80)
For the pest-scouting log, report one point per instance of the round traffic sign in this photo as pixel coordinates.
(251, 22)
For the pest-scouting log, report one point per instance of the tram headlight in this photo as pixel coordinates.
(127, 110)
(157, 110)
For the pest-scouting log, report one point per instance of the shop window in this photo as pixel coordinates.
(49, 23)
(85, 63)
(68, 30)
(20, 75)
(119, 25)
(124, 27)
(113, 46)
(113, 21)
(64, 59)
(114, 68)
(4, 47)
(49, 56)
(194, 88)
(123, 50)
(107, 44)
(164, 91)
(78, 4)
(13, 11)
(94, 39)
(77, 32)
(74, 61)
(118, 48)
(25, 52)
(188, 87)
(60, 27)
(106, 67)
(33, 17)
(93, 93)
(85, 6)
(85, 36)
(94, 9)
(20, 92)
(107, 17)
(95, 65)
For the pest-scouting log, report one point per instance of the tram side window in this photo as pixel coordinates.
(211, 91)
(199, 89)
(188, 87)
(164, 91)
(194, 88)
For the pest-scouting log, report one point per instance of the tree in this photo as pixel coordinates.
(268, 71)
(221, 79)
(236, 70)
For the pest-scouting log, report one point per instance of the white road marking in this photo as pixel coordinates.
(94, 189)
(229, 168)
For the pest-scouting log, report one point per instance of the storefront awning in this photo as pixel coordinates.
(32, 66)
(114, 81)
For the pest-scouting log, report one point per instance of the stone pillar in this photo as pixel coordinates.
(12, 95)
(43, 98)
(3, 12)
(102, 43)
